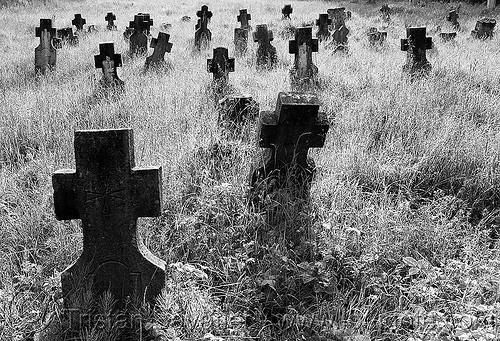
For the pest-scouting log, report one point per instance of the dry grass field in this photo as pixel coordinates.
(404, 212)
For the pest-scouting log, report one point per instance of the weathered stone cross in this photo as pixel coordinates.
(286, 11)
(416, 44)
(108, 61)
(110, 18)
(45, 52)
(139, 39)
(148, 22)
(220, 65)
(240, 41)
(108, 193)
(266, 53)
(161, 46)
(78, 21)
(203, 36)
(323, 23)
(243, 18)
(303, 46)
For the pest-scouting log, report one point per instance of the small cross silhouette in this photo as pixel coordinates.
(108, 61)
(78, 21)
(161, 45)
(323, 23)
(110, 18)
(286, 11)
(220, 65)
(416, 43)
(243, 18)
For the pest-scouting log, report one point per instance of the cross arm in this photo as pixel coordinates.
(65, 194)
(268, 129)
(147, 191)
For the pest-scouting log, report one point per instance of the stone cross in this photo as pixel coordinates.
(484, 28)
(323, 23)
(78, 21)
(375, 36)
(110, 18)
(303, 46)
(243, 18)
(266, 53)
(161, 46)
(139, 39)
(447, 36)
(108, 193)
(220, 65)
(416, 44)
(385, 13)
(203, 36)
(108, 61)
(148, 22)
(295, 126)
(286, 11)
(338, 16)
(236, 109)
(66, 35)
(340, 37)
(45, 53)
(453, 19)
(240, 41)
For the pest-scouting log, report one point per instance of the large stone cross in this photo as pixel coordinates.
(108, 61)
(45, 52)
(266, 53)
(78, 21)
(161, 46)
(203, 36)
(303, 46)
(139, 39)
(323, 23)
(243, 18)
(220, 64)
(110, 18)
(108, 193)
(416, 44)
(286, 11)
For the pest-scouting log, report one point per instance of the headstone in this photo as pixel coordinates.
(385, 13)
(45, 53)
(161, 45)
(220, 65)
(376, 37)
(295, 126)
(286, 11)
(148, 22)
(240, 41)
(139, 39)
(323, 23)
(453, 19)
(303, 71)
(66, 35)
(484, 28)
(203, 36)
(337, 16)
(447, 36)
(339, 39)
(108, 61)
(416, 44)
(266, 53)
(235, 110)
(243, 18)
(78, 21)
(108, 193)
(110, 18)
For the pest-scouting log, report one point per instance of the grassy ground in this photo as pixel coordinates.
(403, 213)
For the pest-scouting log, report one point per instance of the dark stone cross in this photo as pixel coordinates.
(323, 23)
(243, 18)
(453, 19)
(220, 65)
(286, 11)
(148, 22)
(385, 13)
(484, 28)
(202, 35)
(340, 38)
(303, 46)
(416, 44)
(139, 39)
(295, 126)
(375, 36)
(78, 21)
(108, 61)
(66, 35)
(161, 46)
(240, 41)
(110, 18)
(45, 52)
(338, 16)
(447, 36)
(108, 193)
(266, 53)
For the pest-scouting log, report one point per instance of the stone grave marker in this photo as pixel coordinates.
(235, 110)
(286, 11)
(303, 71)
(337, 16)
(323, 23)
(266, 53)
(447, 36)
(244, 19)
(484, 28)
(385, 13)
(110, 18)
(376, 37)
(339, 39)
(139, 39)
(240, 41)
(45, 52)
(66, 35)
(108, 61)
(148, 22)
(203, 36)
(161, 45)
(108, 193)
(220, 65)
(289, 132)
(415, 45)
(78, 21)
(453, 19)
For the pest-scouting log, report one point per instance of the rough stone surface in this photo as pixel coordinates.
(338, 17)
(416, 44)
(453, 19)
(323, 23)
(45, 52)
(202, 35)
(161, 46)
(220, 65)
(108, 61)
(484, 28)
(303, 71)
(236, 109)
(266, 53)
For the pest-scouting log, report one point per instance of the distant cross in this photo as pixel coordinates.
(243, 18)
(375, 36)
(323, 23)
(220, 65)
(108, 193)
(66, 35)
(385, 13)
(286, 11)
(303, 46)
(110, 18)
(266, 53)
(108, 61)
(203, 36)
(45, 52)
(338, 17)
(139, 39)
(484, 28)
(240, 41)
(78, 21)
(148, 22)
(161, 45)
(416, 44)
(295, 126)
